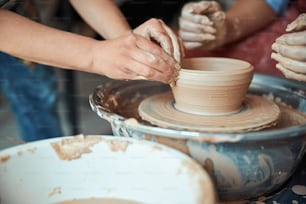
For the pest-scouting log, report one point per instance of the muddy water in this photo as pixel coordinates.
(288, 115)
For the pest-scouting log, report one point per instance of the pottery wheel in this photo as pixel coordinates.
(256, 113)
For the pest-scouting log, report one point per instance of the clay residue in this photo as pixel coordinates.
(56, 190)
(4, 158)
(73, 148)
(299, 190)
(205, 183)
(118, 145)
(131, 122)
(289, 117)
(179, 144)
(192, 167)
(32, 150)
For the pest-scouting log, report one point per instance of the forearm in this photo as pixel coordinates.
(246, 17)
(103, 16)
(29, 40)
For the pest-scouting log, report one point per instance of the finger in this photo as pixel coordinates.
(182, 48)
(218, 17)
(196, 37)
(159, 33)
(147, 57)
(177, 51)
(153, 61)
(192, 45)
(298, 38)
(291, 64)
(143, 71)
(293, 52)
(291, 74)
(195, 18)
(298, 24)
(156, 50)
(195, 27)
(206, 7)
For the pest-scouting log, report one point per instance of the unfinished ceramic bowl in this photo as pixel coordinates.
(101, 169)
(212, 86)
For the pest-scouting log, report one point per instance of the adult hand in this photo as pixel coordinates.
(290, 50)
(157, 31)
(202, 25)
(133, 57)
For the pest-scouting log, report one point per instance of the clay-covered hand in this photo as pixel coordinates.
(133, 57)
(157, 31)
(290, 50)
(202, 25)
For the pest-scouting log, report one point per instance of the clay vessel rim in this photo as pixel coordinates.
(231, 70)
(215, 65)
(210, 59)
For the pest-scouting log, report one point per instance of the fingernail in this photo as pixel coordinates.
(274, 56)
(280, 39)
(206, 22)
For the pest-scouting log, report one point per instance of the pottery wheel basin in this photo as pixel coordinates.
(243, 165)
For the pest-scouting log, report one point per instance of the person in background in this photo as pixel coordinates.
(290, 50)
(152, 51)
(31, 88)
(242, 29)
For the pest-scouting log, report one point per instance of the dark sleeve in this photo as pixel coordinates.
(3, 2)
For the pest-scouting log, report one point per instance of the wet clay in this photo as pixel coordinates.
(288, 115)
(256, 113)
(99, 201)
(212, 86)
(70, 149)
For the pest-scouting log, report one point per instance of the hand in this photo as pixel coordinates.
(133, 57)
(157, 31)
(202, 25)
(290, 50)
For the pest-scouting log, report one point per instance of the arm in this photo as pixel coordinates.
(246, 17)
(122, 58)
(32, 41)
(104, 16)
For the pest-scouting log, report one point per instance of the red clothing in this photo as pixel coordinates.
(256, 49)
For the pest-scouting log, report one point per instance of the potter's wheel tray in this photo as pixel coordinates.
(256, 113)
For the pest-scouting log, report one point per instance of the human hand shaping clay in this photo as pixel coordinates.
(290, 50)
(134, 57)
(125, 57)
(157, 31)
(202, 25)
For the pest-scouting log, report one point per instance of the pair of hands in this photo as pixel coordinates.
(152, 51)
(202, 25)
(290, 50)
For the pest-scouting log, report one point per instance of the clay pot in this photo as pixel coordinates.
(212, 86)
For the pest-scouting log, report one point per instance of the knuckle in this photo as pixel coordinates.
(301, 53)
(154, 21)
(147, 72)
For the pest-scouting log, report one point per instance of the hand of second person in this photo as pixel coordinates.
(133, 56)
(202, 25)
(290, 50)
